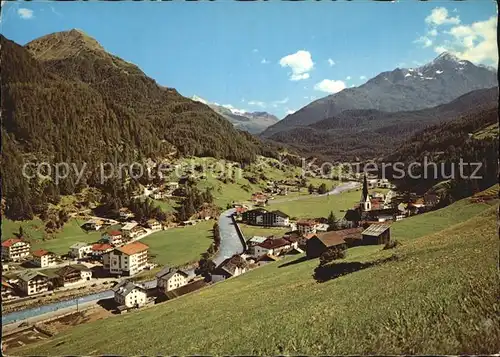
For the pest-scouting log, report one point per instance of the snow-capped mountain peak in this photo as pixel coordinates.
(198, 99)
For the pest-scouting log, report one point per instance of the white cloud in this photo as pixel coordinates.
(298, 77)
(255, 50)
(300, 63)
(330, 86)
(352, 85)
(439, 16)
(264, 61)
(331, 62)
(257, 103)
(290, 111)
(424, 40)
(433, 33)
(362, 77)
(25, 14)
(476, 42)
(348, 78)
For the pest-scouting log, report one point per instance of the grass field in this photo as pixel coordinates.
(318, 206)
(178, 246)
(34, 228)
(250, 231)
(438, 297)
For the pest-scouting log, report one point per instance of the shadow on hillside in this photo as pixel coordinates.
(334, 270)
(293, 262)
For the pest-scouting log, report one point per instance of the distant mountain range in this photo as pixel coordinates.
(438, 82)
(370, 133)
(254, 122)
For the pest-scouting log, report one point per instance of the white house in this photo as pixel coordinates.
(129, 294)
(128, 229)
(93, 224)
(113, 237)
(272, 246)
(306, 227)
(154, 224)
(33, 282)
(15, 249)
(43, 258)
(80, 250)
(129, 259)
(171, 279)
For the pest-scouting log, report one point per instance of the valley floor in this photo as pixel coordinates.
(436, 294)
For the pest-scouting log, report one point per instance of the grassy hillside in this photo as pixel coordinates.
(438, 296)
(71, 233)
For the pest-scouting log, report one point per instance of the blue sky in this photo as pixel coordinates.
(274, 56)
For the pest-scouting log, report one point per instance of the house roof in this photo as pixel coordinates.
(133, 248)
(167, 272)
(115, 233)
(79, 245)
(94, 221)
(128, 226)
(257, 239)
(71, 269)
(306, 223)
(40, 253)
(376, 229)
(9, 242)
(152, 221)
(330, 239)
(125, 287)
(280, 214)
(29, 275)
(257, 210)
(229, 265)
(274, 243)
(333, 238)
(101, 247)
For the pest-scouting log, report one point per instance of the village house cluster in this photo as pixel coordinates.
(117, 253)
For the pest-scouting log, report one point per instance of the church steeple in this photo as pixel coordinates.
(365, 203)
(365, 189)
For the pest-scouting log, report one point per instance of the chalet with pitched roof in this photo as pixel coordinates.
(230, 267)
(307, 226)
(273, 246)
(128, 294)
(113, 237)
(319, 243)
(171, 279)
(80, 250)
(15, 249)
(43, 258)
(33, 282)
(71, 274)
